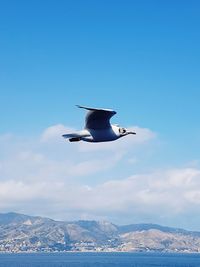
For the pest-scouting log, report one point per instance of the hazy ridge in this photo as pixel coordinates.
(23, 233)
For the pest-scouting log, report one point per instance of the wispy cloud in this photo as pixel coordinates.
(143, 135)
(54, 133)
(62, 177)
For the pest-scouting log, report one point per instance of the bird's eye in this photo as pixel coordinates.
(122, 130)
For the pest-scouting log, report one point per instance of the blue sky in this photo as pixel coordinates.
(140, 58)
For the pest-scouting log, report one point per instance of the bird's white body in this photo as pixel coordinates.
(98, 127)
(101, 135)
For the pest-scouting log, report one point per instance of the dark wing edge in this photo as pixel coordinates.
(71, 135)
(97, 109)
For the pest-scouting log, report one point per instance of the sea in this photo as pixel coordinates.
(99, 260)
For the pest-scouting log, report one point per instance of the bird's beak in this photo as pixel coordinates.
(131, 132)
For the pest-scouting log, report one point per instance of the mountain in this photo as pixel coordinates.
(149, 226)
(20, 233)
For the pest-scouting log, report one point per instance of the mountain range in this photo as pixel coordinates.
(24, 233)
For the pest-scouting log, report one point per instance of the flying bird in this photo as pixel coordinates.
(98, 128)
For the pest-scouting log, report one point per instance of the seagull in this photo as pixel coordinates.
(98, 128)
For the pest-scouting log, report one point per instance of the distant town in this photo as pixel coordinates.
(23, 233)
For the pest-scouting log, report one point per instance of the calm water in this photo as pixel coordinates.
(100, 260)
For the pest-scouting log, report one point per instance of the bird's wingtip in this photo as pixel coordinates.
(78, 106)
(96, 109)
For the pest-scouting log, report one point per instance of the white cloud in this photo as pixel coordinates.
(153, 196)
(142, 136)
(37, 180)
(139, 196)
(55, 132)
(48, 176)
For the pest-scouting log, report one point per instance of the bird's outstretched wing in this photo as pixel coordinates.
(98, 118)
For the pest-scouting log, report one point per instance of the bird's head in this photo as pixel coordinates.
(123, 131)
